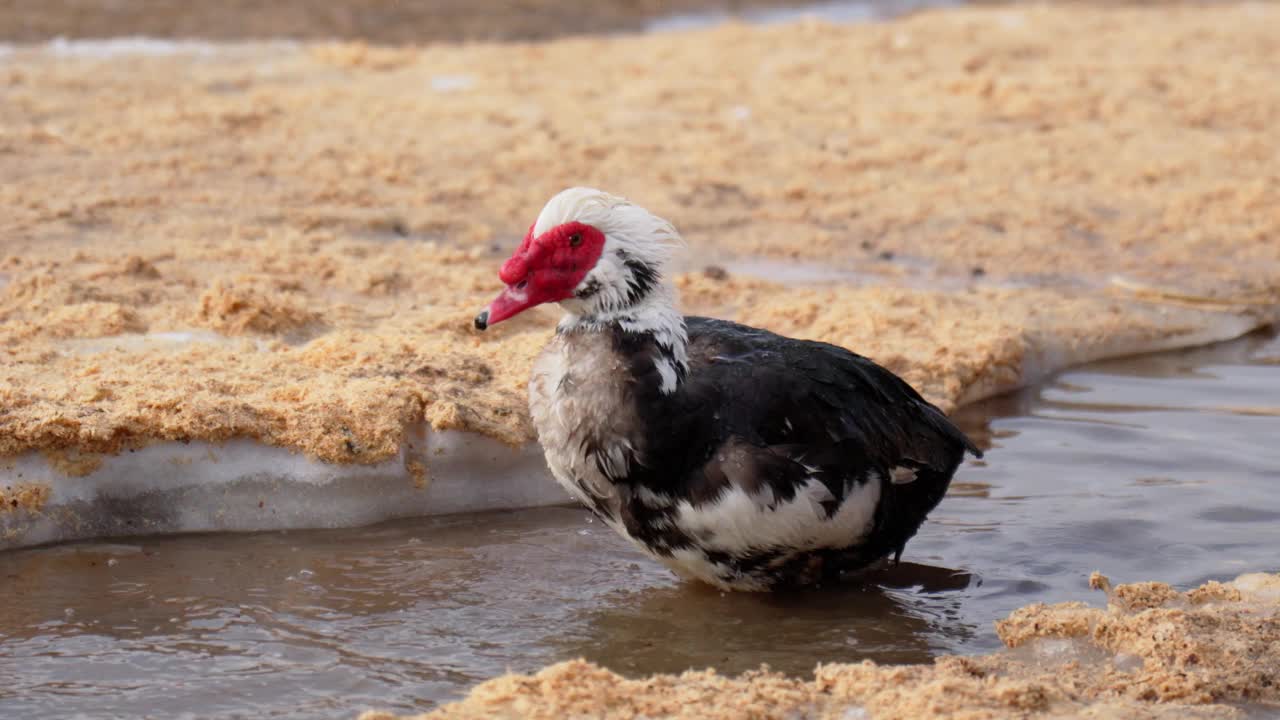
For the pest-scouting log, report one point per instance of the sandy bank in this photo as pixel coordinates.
(1153, 652)
(286, 245)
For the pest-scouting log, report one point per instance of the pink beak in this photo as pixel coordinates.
(511, 301)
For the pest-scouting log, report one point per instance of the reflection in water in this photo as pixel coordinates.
(1156, 467)
(691, 626)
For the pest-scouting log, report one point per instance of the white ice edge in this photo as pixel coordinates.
(138, 46)
(1045, 358)
(245, 485)
(129, 45)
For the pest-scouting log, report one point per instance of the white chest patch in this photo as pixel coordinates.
(740, 524)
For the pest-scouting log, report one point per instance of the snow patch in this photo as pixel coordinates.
(452, 83)
(244, 485)
(135, 45)
(138, 46)
(1128, 662)
(132, 342)
(1048, 652)
(795, 273)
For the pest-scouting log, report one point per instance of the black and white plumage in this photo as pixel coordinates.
(733, 455)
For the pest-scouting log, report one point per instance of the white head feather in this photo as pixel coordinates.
(632, 234)
(646, 236)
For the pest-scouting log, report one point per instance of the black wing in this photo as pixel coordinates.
(804, 409)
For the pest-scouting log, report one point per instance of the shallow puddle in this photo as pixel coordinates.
(1161, 467)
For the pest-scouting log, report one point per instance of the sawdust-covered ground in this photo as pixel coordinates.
(1006, 190)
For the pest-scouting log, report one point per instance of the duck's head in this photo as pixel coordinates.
(592, 252)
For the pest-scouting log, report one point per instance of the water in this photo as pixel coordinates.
(1160, 467)
(839, 11)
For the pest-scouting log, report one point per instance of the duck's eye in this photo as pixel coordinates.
(575, 240)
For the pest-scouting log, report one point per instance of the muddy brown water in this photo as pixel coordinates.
(1158, 467)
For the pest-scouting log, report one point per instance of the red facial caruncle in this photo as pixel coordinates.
(544, 269)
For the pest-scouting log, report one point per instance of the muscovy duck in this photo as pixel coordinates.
(735, 456)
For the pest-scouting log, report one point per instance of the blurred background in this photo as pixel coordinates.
(397, 22)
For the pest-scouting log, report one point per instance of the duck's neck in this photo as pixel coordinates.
(654, 315)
